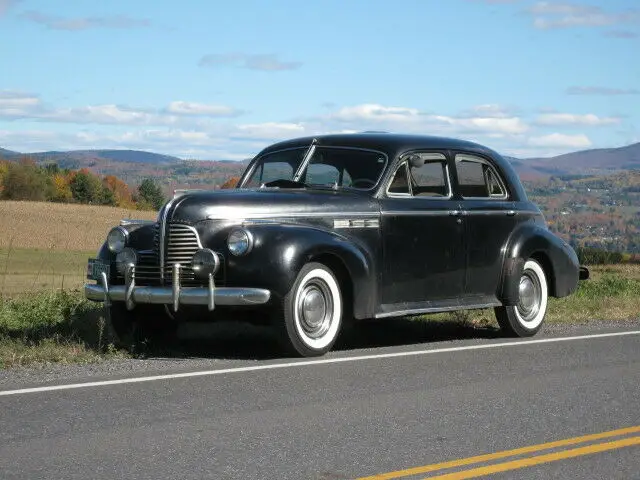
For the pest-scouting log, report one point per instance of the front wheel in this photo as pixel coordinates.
(525, 318)
(312, 311)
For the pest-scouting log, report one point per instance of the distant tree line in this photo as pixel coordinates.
(25, 180)
(595, 256)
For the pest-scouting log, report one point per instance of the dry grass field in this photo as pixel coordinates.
(59, 226)
(45, 246)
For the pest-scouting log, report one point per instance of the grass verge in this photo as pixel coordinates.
(612, 293)
(62, 327)
(54, 327)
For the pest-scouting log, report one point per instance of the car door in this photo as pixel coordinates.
(489, 220)
(422, 234)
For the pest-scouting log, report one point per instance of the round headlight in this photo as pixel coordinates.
(205, 262)
(117, 239)
(239, 241)
(126, 257)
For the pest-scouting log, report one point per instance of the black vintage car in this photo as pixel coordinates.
(324, 230)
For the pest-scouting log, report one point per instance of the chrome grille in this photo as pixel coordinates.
(182, 242)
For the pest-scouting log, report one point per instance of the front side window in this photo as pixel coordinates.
(478, 179)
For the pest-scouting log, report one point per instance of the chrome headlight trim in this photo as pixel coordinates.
(117, 239)
(239, 241)
(205, 262)
(127, 256)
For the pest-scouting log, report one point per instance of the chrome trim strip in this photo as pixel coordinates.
(356, 223)
(267, 215)
(417, 213)
(418, 311)
(188, 295)
(125, 222)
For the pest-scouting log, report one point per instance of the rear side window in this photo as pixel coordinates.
(477, 178)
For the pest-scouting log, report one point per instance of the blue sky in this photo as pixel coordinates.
(208, 79)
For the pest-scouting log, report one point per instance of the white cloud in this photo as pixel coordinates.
(192, 108)
(550, 15)
(377, 113)
(270, 130)
(589, 119)
(17, 105)
(559, 140)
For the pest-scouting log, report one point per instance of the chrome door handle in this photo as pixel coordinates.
(511, 213)
(455, 213)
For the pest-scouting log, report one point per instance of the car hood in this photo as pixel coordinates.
(265, 203)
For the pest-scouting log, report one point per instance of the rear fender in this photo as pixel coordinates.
(557, 258)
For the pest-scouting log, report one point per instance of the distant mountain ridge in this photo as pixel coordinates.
(602, 161)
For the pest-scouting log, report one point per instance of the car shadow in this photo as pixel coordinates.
(234, 340)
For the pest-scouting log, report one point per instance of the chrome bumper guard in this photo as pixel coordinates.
(174, 295)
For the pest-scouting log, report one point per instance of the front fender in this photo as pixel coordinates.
(558, 259)
(280, 251)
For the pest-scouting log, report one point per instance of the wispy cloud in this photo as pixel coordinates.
(268, 62)
(85, 23)
(591, 90)
(5, 5)
(26, 106)
(570, 119)
(550, 15)
(202, 109)
(559, 140)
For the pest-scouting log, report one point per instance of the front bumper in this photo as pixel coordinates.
(175, 295)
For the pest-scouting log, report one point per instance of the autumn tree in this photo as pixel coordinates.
(61, 191)
(231, 182)
(25, 181)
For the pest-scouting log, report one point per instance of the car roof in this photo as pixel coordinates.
(389, 143)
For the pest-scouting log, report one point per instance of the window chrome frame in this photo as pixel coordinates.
(437, 157)
(467, 157)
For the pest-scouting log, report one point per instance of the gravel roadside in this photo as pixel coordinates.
(203, 349)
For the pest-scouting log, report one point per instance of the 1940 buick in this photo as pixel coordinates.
(327, 229)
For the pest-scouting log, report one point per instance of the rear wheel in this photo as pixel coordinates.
(526, 318)
(145, 324)
(312, 311)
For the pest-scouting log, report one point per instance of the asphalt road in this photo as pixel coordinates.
(355, 412)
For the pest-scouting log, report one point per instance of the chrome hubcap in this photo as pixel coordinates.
(530, 296)
(315, 308)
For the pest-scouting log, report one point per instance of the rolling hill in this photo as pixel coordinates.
(131, 165)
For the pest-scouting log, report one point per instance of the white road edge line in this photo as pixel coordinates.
(303, 363)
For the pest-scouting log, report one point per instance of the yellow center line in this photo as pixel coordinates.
(537, 460)
(498, 455)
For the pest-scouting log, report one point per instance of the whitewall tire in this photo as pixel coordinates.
(526, 317)
(313, 311)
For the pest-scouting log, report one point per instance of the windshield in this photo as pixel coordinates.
(328, 166)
